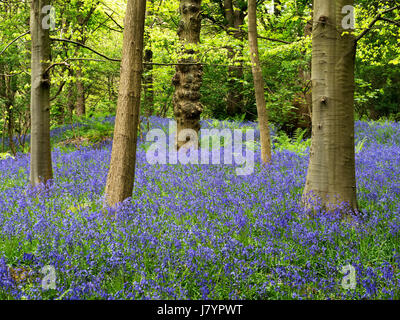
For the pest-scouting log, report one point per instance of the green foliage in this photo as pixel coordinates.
(360, 145)
(85, 132)
(296, 144)
(377, 71)
(99, 132)
(5, 155)
(377, 74)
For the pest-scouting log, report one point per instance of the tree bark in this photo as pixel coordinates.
(331, 171)
(3, 95)
(235, 19)
(259, 85)
(121, 175)
(41, 167)
(8, 94)
(148, 83)
(148, 69)
(188, 78)
(302, 100)
(80, 94)
(71, 97)
(10, 105)
(82, 19)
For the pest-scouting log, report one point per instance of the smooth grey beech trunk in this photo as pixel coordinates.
(121, 175)
(41, 166)
(331, 171)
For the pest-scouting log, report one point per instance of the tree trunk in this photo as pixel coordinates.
(80, 94)
(71, 99)
(148, 68)
(331, 171)
(148, 83)
(302, 101)
(10, 123)
(121, 175)
(82, 18)
(80, 86)
(188, 78)
(277, 8)
(60, 114)
(235, 19)
(41, 166)
(3, 95)
(259, 85)
(8, 94)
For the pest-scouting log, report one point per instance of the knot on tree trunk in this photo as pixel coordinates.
(323, 20)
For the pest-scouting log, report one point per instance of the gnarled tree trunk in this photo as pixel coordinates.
(331, 171)
(40, 167)
(121, 175)
(188, 76)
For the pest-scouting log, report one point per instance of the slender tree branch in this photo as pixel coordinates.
(63, 63)
(117, 24)
(373, 22)
(105, 5)
(214, 21)
(58, 91)
(119, 60)
(85, 59)
(9, 45)
(86, 47)
(275, 40)
(90, 13)
(11, 74)
(113, 29)
(397, 23)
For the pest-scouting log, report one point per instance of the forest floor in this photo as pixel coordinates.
(198, 231)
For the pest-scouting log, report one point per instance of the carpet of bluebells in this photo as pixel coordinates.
(200, 231)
